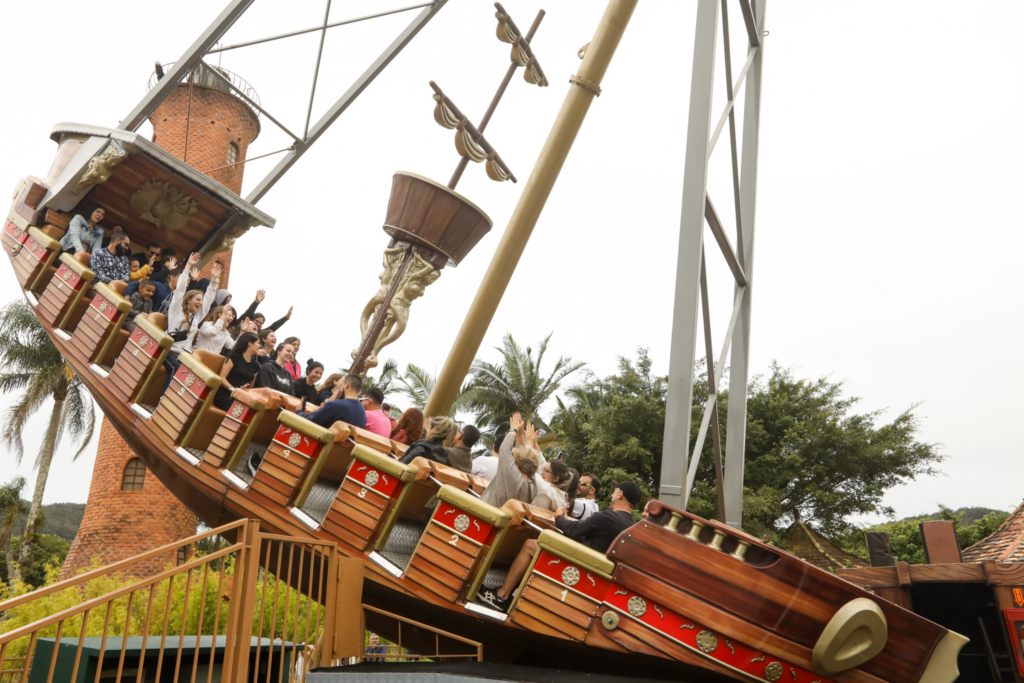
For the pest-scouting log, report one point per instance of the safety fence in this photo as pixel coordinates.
(215, 617)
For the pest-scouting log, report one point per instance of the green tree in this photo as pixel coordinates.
(905, 534)
(31, 364)
(388, 374)
(417, 384)
(807, 452)
(49, 551)
(12, 509)
(516, 384)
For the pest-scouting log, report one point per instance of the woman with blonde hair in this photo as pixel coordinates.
(439, 430)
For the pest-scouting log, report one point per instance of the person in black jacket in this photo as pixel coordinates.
(433, 446)
(597, 533)
(273, 376)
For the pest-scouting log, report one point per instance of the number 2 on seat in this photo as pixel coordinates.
(455, 539)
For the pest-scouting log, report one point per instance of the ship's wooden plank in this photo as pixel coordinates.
(462, 551)
(430, 583)
(531, 624)
(661, 645)
(343, 519)
(789, 596)
(445, 563)
(350, 535)
(371, 496)
(577, 602)
(367, 505)
(724, 622)
(452, 581)
(355, 514)
(565, 628)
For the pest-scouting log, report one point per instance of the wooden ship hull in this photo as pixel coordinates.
(674, 596)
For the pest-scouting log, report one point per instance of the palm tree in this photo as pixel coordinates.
(388, 374)
(12, 509)
(29, 362)
(516, 384)
(417, 384)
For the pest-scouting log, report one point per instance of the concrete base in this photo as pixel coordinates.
(458, 672)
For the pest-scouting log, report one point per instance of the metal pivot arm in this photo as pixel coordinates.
(691, 284)
(691, 242)
(166, 85)
(739, 371)
(345, 100)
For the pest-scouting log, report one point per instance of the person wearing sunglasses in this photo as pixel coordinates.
(585, 504)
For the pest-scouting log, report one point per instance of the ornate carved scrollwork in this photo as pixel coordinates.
(162, 204)
(100, 168)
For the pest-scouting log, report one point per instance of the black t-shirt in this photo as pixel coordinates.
(242, 372)
(597, 531)
(307, 391)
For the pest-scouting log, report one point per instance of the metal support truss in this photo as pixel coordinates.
(679, 464)
(204, 46)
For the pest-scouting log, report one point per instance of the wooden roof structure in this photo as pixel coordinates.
(1005, 545)
(809, 545)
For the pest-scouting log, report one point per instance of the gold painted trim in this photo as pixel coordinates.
(577, 553)
(151, 375)
(474, 506)
(209, 377)
(722, 662)
(155, 333)
(310, 429)
(485, 564)
(384, 463)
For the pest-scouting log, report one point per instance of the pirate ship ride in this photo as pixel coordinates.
(675, 595)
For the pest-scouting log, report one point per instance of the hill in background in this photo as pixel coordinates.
(61, 519)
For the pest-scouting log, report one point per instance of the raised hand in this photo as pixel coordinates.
(172, 263)
(531, 436)
(193, 259)
(194, 273)
(216, 270)
(152, 259)
(289, 314)
(261, 295)
(515, 423)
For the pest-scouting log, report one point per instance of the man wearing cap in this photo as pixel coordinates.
(597, 533)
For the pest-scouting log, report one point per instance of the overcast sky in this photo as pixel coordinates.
(888, 192)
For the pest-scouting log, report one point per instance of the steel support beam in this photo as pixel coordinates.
(736, 430)
(691, 239)
(166, 85)
(345, 100)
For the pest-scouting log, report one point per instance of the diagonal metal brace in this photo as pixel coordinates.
(723, 242)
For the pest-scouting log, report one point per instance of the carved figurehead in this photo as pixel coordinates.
(163, 204)
(100, 168)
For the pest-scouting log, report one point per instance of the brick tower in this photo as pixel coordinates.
(129, 511)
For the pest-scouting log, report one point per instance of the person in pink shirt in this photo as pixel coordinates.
(376, 421)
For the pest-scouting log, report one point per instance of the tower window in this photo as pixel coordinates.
(134, 475)
(183, 554)
(232, 153)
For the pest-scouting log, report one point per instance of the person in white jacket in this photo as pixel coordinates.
(187, 308)
(213, 334)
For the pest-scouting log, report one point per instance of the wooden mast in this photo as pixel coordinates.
(472, 146)
(586, 85)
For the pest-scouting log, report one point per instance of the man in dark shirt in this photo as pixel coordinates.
(346, 409)
(597, 533)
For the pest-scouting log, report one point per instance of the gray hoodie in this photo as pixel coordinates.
(508, 483)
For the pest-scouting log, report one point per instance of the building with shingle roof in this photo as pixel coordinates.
(1005, 545)
(811, 546)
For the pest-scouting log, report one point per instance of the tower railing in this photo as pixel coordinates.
(201, 75)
